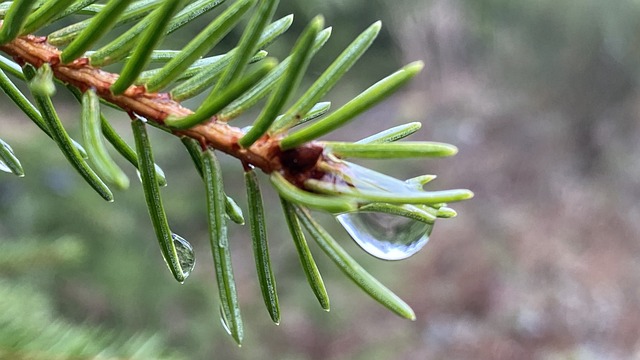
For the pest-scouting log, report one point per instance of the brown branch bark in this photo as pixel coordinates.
(297, 164)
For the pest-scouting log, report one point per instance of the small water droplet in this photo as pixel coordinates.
(4, 167)
(223, 320)
(386, 236)
(139, 117)
(185, 254)
(161, 183)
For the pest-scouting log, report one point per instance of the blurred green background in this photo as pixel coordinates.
(542, 99)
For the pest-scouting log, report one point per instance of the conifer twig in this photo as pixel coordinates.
(265, 153)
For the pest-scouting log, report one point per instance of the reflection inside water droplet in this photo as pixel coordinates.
(4, 167)
(366, 179)
(185, 254)
(158, 173)
(386, 236)
(223, 320)
(139, 175)
(383, 235)
(141, 118)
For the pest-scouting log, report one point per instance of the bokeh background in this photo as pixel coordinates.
(542, 99)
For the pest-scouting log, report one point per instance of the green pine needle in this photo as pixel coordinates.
(64, 142)
(258, 227)
(201, 44)
(316, 111)
(14, 19)
(154, 200)
(9, 161)
(300, 57)
(373, 95)
(247, 46)
(351, 268)
(415, 212)
(92, 136)
(208, 74)
(133, 12)
(11, 67)
(261, 89)
(220, 245)
(99, 26)
(234, 212)
(120, 47)
(304, 254)
(328, 79)
(418, 197)
(142, 52)
(388, 150)
(210, 107)
(393, 134)
(419, 181)
(117, 141)
(332, 204)
(29, 109)
(81, 6)
(44, 15)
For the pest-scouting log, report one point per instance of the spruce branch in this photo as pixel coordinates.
(155, 107)
(307, 173)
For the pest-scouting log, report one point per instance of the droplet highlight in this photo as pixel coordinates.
(4, 167)
(386, 236)
(223, 320)
(186, 255)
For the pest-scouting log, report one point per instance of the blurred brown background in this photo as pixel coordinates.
(542, 99)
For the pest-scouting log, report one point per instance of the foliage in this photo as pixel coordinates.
(307, 173)
(32, 329)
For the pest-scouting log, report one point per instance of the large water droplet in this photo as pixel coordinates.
(386, 236)
(383, 235)
(4, 167)
(185, 254)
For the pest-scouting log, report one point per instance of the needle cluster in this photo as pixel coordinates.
(308, 173)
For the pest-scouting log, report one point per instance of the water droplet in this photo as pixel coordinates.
(223, 320)
(158, 172)
(366, 179)
(139, 117)
(4, 167)
(386, 236)
(185, 254)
